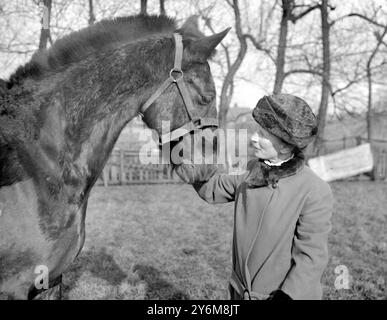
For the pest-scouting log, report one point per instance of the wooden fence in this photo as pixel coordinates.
(380, 159)
(379, 151)
(124, 166)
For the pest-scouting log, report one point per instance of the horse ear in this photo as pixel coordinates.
(191, 26)
(204, 47)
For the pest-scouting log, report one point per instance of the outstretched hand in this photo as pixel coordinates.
(191, 173)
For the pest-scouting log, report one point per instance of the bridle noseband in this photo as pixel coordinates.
(176, 76)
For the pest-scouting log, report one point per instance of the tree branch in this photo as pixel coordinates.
(364, 17)
(314, 72)
(258, 45)
(294, 18)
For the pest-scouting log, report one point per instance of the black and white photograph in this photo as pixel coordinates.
(212, 151)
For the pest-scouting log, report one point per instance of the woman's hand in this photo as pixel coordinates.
(191, 173)
(279, 295)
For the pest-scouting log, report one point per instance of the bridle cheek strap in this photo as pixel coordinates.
(164, 86)
(176, 76)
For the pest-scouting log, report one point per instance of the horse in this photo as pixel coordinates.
(60, 116)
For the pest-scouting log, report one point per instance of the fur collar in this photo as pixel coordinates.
(260, 174)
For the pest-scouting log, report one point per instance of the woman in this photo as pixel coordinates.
(282, 209)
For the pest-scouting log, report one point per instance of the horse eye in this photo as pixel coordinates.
(206, 99)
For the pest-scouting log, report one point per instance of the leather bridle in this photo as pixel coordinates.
(176, 76)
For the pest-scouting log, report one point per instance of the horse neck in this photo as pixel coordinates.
(121, 82)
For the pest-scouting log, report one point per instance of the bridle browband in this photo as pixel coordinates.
(176, 76)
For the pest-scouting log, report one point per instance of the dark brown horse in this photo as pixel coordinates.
(60, 116)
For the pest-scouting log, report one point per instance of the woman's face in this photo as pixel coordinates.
(265, 144)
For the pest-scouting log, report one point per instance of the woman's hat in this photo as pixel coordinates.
(287, 117)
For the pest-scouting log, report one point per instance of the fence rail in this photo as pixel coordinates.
(378, 146)
(124, 166)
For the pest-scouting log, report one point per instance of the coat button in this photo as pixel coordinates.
(275, 185)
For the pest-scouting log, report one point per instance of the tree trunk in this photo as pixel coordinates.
(369, 104)
(162, 8)
(91, 13)
(228, 90)
(282, 42)
(369, 80)
(143, 9)
(370, 87)
(228, 84)
(45, 31)
(369, 108)
(325, 91)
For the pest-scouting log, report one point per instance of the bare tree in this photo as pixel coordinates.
(370, 69)
(225, 61)
(143, 9)
(287, 7)
(45, 30)
(261, 43)
(288, 14)
(228, 83)
(379, 38)
(228, 66)
(326, 88)
(91, 12)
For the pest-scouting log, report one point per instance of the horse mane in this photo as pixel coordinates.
(78, 45)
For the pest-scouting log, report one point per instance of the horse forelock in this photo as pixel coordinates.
(79, 44)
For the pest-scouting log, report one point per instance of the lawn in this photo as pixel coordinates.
(163, 242)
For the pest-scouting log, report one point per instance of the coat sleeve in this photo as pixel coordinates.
(310, 246)
(220, 188)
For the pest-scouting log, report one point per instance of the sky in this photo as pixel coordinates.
(254, 79)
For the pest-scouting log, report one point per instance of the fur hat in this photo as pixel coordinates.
(287, 117)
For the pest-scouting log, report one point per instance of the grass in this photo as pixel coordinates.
(359, 240)
(163, 242)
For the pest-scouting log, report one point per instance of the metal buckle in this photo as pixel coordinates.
(197, 122)
(177, 71)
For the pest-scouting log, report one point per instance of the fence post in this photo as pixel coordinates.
(122, 172)
(105, 175)
(378, 164)
(170, 176)
(113, 168)
(160, 172)
(381, 165)
(130, 173)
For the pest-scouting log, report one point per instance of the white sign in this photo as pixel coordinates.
(343, 164)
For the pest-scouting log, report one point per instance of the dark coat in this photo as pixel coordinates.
(280, 233)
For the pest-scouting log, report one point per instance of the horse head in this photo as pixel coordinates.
(179, 111)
